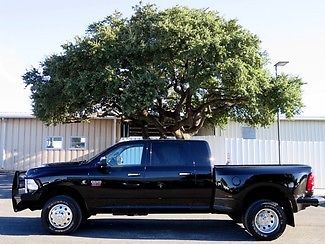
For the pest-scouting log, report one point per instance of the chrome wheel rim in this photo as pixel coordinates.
(266, 220)
(60, 216)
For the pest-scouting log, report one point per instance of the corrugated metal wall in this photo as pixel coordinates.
(290, 130)
(237, 151)
(22, 143)
(23, 140)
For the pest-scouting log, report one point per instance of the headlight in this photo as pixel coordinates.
(30, 185)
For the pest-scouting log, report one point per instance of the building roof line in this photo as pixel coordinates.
(303, 118)
(24, 115)
(14, 115)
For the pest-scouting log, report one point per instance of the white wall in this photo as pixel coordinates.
(22, 141)
(290, 130)
(236, 151)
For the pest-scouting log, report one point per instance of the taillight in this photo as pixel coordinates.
(310, 182)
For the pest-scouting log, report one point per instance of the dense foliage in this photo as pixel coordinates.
(177, 69)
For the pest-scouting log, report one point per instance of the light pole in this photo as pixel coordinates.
(280, 63)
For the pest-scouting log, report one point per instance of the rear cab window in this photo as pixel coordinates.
(179, 153)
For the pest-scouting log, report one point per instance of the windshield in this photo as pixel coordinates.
(92, 158)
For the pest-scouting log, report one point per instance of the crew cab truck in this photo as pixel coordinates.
(165, 176)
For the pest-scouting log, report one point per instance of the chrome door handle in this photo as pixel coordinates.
(130, 185)
(184, 173)
(133, 174)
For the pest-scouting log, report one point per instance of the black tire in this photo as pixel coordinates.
(236, 217)
(265, 220)
(61, 215)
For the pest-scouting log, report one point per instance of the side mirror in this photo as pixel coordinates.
(102, 163)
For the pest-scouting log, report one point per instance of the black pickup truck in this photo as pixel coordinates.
(165, 176)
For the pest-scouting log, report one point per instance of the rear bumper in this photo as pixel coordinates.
(311, 201)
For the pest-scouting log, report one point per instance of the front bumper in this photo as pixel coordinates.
(311, 201)
(20, 199)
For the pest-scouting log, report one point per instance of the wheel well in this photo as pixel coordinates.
(273, 194)
(67, 191)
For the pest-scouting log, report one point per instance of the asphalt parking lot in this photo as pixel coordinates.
(25, 227)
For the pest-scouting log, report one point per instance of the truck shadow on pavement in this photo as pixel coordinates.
(323, 205)
(136, 229)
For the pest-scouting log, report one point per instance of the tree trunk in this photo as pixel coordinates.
(179, 134)
(145, 132)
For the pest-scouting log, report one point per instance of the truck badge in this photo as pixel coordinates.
(95, 182)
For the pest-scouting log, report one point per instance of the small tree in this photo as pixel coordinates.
(177, 69)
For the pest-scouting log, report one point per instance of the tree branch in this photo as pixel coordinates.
(223, 100)
(158, 125)
(195, 128)
(180, 103)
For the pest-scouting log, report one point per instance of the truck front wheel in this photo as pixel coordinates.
(61, 215)
(265, 220)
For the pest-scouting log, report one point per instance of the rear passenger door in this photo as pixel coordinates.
(170, 176)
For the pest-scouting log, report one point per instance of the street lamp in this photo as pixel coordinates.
(280, 63)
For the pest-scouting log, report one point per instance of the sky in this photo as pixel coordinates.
(290, 30)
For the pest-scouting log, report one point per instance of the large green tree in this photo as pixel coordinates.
(178, 69)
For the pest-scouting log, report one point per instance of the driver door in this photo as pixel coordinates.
(122, 182)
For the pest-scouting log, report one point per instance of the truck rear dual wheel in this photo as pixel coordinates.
(265, 220)
(61, 215)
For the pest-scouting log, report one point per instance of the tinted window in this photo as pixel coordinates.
(127, 155)
(200, 153)
(180, 153)
(170, 153)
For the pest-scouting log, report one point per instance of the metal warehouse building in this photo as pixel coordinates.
(302, 141)
(26, 142)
